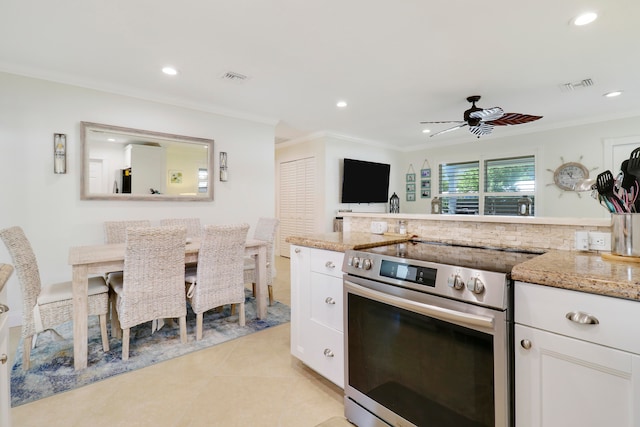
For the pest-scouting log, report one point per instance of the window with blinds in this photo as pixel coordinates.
(491, 187)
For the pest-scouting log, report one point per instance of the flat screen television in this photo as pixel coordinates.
(365, 182)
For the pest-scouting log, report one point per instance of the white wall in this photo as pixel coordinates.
(329, 150)
(48, 206)
(585, 143)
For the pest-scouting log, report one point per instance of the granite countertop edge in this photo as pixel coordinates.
(341, 242)
(583, 272)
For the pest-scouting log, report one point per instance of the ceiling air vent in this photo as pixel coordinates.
(568, 87)
(232, 76)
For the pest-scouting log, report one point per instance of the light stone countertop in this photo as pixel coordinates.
(578, 271)
(582, 271)
(341, 242)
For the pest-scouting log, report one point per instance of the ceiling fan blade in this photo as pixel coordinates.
(449, 130)
(447, 121)
(514, 119)
(487, 114)
(481, 129)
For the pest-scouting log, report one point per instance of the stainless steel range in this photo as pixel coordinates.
(428, 335)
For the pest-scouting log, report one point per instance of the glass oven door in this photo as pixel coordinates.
(414, 359)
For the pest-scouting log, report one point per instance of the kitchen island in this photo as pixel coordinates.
(577, 356)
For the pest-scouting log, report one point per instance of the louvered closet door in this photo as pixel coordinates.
(297, 200)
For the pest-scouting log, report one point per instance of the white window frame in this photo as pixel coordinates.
(481, 194)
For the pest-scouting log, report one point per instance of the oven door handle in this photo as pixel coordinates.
(425, 309)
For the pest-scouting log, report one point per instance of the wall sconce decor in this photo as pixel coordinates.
(223, 166)
(59, 153)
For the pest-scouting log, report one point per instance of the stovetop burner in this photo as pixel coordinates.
(482, 258)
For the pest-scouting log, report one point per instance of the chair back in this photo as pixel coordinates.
(153, 275)
(220, 276)
(26, 266)
(266, 230)
(5, 273)
(116, 231)
(194, 229)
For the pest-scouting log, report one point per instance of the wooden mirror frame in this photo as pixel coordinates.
(86, 127)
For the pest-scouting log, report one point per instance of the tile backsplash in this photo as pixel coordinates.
(517, 235)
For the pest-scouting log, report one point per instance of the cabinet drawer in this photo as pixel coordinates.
(327, 262)
(326, 300)
(325, 353)
(546, 308)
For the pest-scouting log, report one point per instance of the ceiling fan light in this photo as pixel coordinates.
(585, 18)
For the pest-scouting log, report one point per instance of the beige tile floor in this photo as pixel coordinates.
(251, 381)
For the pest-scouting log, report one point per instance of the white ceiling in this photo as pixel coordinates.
(396, 63)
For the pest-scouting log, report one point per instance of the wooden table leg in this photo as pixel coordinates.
(261, 282)
(80, 283)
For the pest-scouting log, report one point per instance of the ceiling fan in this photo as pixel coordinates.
(482, 120)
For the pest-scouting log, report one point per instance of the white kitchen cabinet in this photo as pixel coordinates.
(574, 374)
(316, 311)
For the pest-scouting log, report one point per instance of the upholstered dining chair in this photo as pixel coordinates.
(218, 279)
(194, 229)
(152, 284)
(265, 230)
(44, 307)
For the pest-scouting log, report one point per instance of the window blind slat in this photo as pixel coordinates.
(506, 179)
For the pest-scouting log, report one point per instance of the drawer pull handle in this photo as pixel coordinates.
(526, 344)
(3, 308)
(330, 264)
(297, 250)
(3, 359)
(328, 352)
(582, 318)
(330, 300)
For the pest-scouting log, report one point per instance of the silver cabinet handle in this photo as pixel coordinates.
(3, 359)
(526, 344)
(330, 300)
(582, 318)
(330, 264)
(3, 308)
(328, 352)
(297, 250)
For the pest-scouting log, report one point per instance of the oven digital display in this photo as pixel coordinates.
(411, 273)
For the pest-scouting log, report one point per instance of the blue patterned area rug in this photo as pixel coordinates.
(52, 360)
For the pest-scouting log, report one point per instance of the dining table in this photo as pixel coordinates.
(105, 258)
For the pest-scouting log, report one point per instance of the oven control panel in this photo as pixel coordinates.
(456, 282)
(410, 273)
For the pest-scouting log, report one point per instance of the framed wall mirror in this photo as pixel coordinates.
(120, 163)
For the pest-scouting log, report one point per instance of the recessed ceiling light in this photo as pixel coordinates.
(341, 104)
(426, 130)
(613, 94)
(585, 18)
(170, 71)
(111, 139)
